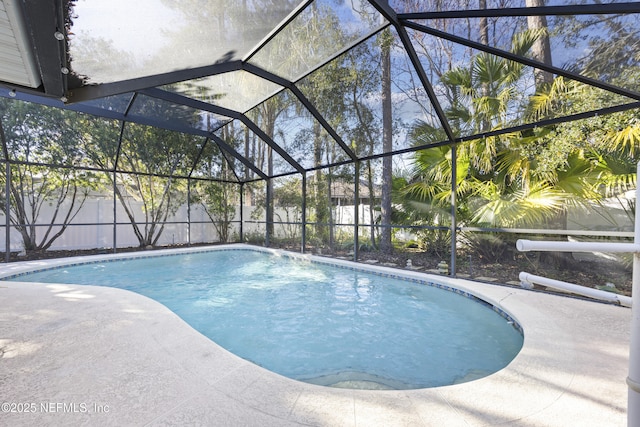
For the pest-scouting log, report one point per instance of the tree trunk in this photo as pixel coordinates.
(329, 210)
(269, 212)
(269, 114)
(248, 173)
(387, 146)
(484, 26)
(372, 220)
(541, 49)
(484, 39)
(319, 185)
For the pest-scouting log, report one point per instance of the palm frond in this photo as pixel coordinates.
(422, 133)
(522, 42)
(627, 138)
(521, 208)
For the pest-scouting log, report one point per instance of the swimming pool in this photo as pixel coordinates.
(325, 324)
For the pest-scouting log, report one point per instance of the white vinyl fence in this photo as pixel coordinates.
(93, 226)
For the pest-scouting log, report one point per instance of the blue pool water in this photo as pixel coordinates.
(317, 323)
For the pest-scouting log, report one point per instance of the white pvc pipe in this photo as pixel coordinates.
(536, 245)
(577, 289)
(633, 380)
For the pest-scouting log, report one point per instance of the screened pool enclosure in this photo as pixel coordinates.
(434, 131)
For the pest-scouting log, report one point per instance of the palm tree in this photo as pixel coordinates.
(485, 96)
(611, 143)
(513, 180)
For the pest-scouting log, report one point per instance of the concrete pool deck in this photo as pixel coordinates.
(88, 355)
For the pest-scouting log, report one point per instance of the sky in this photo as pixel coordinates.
(149, 16)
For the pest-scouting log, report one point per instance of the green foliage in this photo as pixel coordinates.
(254, 237)
(492, 247)
(288, 200)
(520, 179)
(147, 151)
(36, 137)
(435, 242)
(219, 202)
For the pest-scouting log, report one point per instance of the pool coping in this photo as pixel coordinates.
(572, 366)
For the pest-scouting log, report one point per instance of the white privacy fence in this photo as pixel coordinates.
(93, 227)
